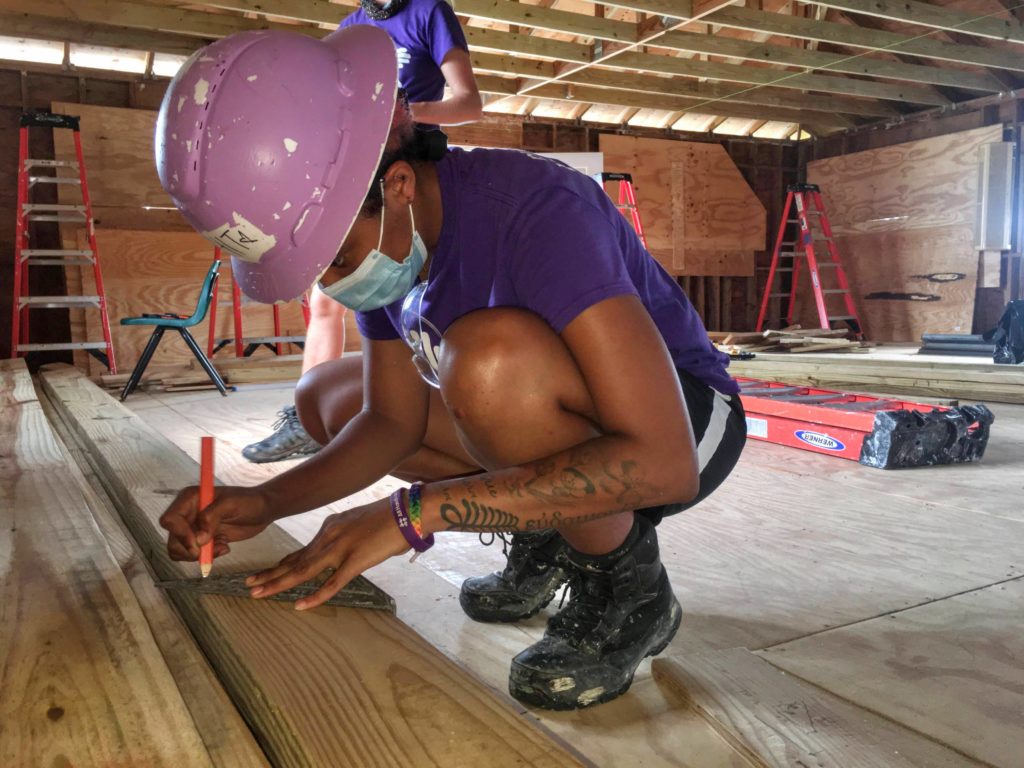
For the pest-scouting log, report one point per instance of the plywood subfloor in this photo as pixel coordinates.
(795, 549)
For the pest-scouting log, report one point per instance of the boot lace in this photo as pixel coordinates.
(589, 596)
(287, 416)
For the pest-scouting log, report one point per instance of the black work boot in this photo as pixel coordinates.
(288, 441)
(537, 567)
(621, 610)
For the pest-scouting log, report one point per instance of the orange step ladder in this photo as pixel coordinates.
(803, 206)
(32, 173)
(627, 199)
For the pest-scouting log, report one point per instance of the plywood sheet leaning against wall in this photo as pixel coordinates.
(903, 218)
(81, 679)
(699, 214)
(356, 688)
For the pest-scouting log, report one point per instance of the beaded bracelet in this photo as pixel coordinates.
(401, 515)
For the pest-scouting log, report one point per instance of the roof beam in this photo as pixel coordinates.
(548, 18)
(675, 9)
(578, 93)
(308, 11)
(495, 40)
(26, 25)
(749, 50)
(713, 94)
(934, 16)
(858, 37)
(674, 65)
(149, 17)
(707, 92)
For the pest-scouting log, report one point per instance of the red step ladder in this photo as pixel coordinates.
(245, 346)
(878, 432)
(627, 199)
(30, 214)
(805, 200)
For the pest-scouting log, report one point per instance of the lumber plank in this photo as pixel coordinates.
(225, 735)
(790, 723)
(82, 680)
(15, 383)
(951, 669)
(357, 687)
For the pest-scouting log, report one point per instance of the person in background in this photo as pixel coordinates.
(432, 53)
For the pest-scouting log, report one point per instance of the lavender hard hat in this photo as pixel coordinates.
(268, 143)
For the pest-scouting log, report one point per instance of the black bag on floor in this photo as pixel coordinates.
(1008, 335)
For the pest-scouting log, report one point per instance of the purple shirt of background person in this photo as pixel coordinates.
(424, 31)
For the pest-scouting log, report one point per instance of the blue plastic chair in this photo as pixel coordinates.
(181, 324)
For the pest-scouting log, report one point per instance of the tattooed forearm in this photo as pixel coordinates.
(478, 517)
(555, 519)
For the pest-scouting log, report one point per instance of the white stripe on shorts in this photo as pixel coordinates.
(712, 438)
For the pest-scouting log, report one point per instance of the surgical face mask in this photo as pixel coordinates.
(380, 280)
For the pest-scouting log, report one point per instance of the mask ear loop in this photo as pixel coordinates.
(380, 238)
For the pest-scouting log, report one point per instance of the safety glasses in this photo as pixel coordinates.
(417, 334)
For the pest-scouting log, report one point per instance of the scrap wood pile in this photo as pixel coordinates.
(790, 339)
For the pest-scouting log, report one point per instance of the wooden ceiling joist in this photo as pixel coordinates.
(527, 45)
(140, 16)
(674, 9)
(670, 102)
(26, 25)
(629, 81)
(579, 93)
(934, 16)
(857, 37)
(538, 17)
(751, 50)
(719, 92)
(914, 94)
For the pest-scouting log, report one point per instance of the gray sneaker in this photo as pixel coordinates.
(288, 441)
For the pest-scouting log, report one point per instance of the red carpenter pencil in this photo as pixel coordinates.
(205, 499)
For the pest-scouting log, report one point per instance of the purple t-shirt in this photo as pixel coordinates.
(521, 230)
(423, 32)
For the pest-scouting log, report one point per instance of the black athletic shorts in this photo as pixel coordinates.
(720, 432)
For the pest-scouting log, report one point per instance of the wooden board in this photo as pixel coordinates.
(910, 282)
(225, 735)
(699, 215)
(917, 185)
(904, 218)
(81, 679)
(1002, 384)
(951, 669)
(364, 690)
(118, 148)
(787, 722)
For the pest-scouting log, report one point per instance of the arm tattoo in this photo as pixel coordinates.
(570, 483)
(478, 517)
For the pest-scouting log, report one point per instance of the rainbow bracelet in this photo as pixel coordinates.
(416, 508)
(401, 515)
